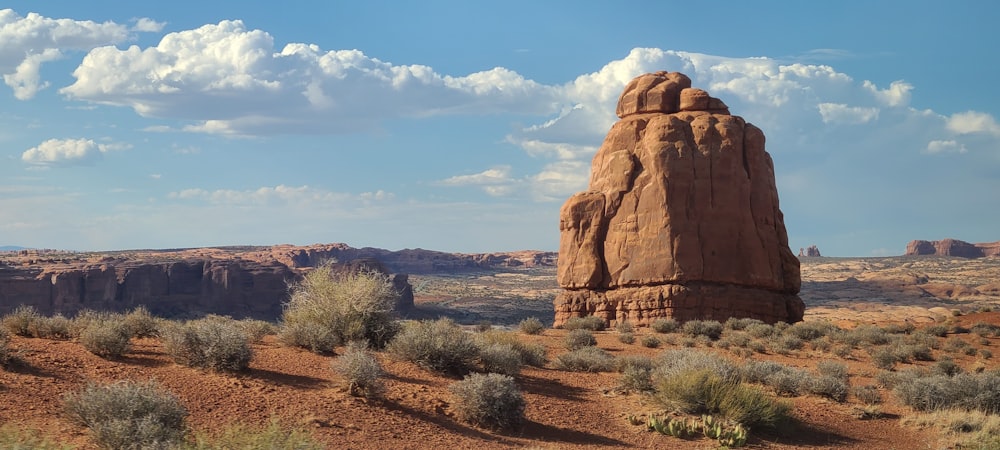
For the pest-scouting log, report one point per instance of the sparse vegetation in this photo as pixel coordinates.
(500, 358)
(586, 359)
(7, 354)
(438, 345)
(530, 354)
(22, 320)
(16, 438)
(214, 343)
(579, 338)
(711, 329)
(626, 338)
(274, 436)
(531, 325)
(107, 339)
(128, 415)
(361, 371)
(329, 307)
(979, 392)
(668, 325)
(591, 323)
(650, 342)
(491, 400)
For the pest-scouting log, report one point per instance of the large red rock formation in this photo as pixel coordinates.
(681, 217)
(953, 247)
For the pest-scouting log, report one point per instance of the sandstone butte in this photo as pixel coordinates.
(953, 247)
(680, 219)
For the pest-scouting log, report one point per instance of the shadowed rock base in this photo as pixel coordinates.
(644, 304)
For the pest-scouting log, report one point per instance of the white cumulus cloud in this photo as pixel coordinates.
(938, 146)
(495, 181)
(971, 122)
(841, 113)
(26, 42)
(68, 152)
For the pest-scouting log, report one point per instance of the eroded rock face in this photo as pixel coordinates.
(681, 217)
(953, 247)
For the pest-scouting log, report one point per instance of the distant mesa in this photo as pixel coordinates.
(680, 219)
(11, 248)
(811, 252)
(953, 247)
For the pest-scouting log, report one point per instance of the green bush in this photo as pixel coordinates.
(531, 325)
(809, 331)
(438, 345)
(55, 327)
(741, 323)
(335, 307)
(833, 369)
(128, 415)
(360, 370)
(501, 358)
(667, 325)
(257, 329)
(759, 330)
(211, 343)
(946, 367)
(702, 391)
(591, 323)
(625, 361)
(271, 437)
(626, 338)
(636, 378)
(490, 400)
(586, 359)
(937, 330)
(108, 339)
(141, 323)
(831, 387)
(579, 338)
(783, 344)
(864, 334)
(884, 358)
(709, 328)
(867, 394)
(674, 362)
(624, 326)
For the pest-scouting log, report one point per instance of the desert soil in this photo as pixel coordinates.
(564, 409)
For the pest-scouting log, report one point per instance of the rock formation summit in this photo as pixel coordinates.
(681, 217)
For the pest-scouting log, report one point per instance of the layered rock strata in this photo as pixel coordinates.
(681, 217)
(953, 247)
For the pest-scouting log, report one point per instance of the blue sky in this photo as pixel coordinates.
(463, 126)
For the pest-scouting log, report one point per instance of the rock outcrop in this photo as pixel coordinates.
(953, 247)
(811, 252)
(681, 217)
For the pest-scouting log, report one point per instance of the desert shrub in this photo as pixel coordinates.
(759, 330)
(938, 330)
(831, 387)
(530, 354)
(758, 371)
(984, 329)
(7, 354)
(710, 328)
(210, 343)
(823, 344)
(625, 361)
(591, 323)
(758, 346)
(702, 391)
(141, 323)
(55, 327)
(946, 367)
(624, 326)
(108, 339)
(128, 415)
(16, 438)
(832, 369)
(650, 342)
(87, 317)
(360, 370)
(579, 338)
(500, 358)
(673, 362)
(985, 354)
(667, 325)
(257, 329)
(531, 325)
(971, 430)
(636, 378)
(484, 325)
(884, 358)
(626, 338)
(741, 323)
(491, 400)
(342, 306)
(909, 352)
(862, 335)
(784, 344)
(808, 331)
(438, 345)
(586, 359)
(274, 436)
(734, 339)
(22, 320)
(899, 328)
(966, 391)
(867, 394)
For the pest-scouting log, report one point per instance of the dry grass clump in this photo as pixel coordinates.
(361, 371)
(650, 342)
(978, 392)
(530, 354)
(702, 391)
(215, 343)
(810, 331)
(141, 322)
(491, 400)
(16, 438)
(962, 429)
(591, 323)
(128, 415)
(272, 437)
(329, 308)
(531, 325)
(500, 358)
(586, 359)
(711, 329)
(7, 354)
(21, 321)
(626, 338)
(439, 346)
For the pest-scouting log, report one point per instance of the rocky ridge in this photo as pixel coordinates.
(952, 247)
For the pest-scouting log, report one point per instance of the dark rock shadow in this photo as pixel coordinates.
(550, 388)
(298, 381)
(556, 435)
(803, 435)
(449, 424)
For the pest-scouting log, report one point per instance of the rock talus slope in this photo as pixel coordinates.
(681, 217)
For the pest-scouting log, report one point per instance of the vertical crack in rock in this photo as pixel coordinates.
(681, 217)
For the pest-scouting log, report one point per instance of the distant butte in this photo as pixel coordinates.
(953, 247)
